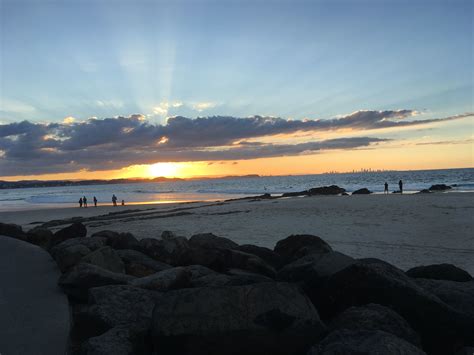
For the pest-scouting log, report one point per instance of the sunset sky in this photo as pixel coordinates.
(115, 88)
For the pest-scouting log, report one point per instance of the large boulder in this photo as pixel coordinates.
(264, 318)
(367, 342)
(93, 243)
(75, 230)
(139, 265)
(314, 268)
(106, 258)
(440, 187)
(82, 277)
(440, 272)
(439, 325)
(170, 279)
(198, 271)
(375, 317)
(459, 295)
(41, 237)
(269, 256)
(326, 190)
(117, 341)
(173, 251)
(12, 230)
(67, 257)
(118, 240)
(233, 277)
(209, 240)
(296, 246)
(363, 191)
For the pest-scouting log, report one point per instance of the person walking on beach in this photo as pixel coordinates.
(80, 202)
(123, 202)
(385, 191)
(400, 185)
(114, 200)
(95, 201)
(84, 200)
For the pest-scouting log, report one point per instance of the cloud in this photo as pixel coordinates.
(111, 143)
(201, 106)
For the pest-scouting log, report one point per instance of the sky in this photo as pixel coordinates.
(114, 88)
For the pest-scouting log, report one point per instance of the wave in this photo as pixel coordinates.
(154, 192)
(12, 199)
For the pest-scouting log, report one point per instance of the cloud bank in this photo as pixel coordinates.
(101, 144)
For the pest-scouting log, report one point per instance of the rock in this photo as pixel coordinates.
(174, 251)
(440, 187)
(67, 257)
(170, 279)
(118, 305)
(13, 231)
(265, 318)
(467, 350)
(117, 341)
(118, 240)
(77, 281)
(326, 190)
(139, 265)
(440, 272)
(424, 191)
(296, 246)
(168, 235)
(198, 271)
(375, 317)
(106, 258)
(459, 295)
(367, 342)
(209, 240)
(269, 256)
(233, 277)
(75, 230)
(40, 236)
(439, 325)
(314, 268)
(363, 191)
(93, 243)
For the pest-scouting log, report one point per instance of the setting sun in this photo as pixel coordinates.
(164, 169)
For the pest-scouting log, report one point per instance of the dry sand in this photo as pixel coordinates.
(406, 230)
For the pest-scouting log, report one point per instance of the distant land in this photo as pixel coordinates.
(53, 183)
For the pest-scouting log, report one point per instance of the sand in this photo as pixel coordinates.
(405, 230)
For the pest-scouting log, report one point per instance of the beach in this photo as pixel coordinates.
(405, 230)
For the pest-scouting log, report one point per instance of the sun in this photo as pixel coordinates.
(163, 169)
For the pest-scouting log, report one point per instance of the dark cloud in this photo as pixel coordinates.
(101, 144)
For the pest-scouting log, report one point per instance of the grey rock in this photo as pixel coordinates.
(106, 258)
(70, 256)
(40, 236)
(170, 279)
(93, 243)
(174, 251)
(440, 272)
(269, 256)
(118, 240)
(440, 187)
(75, 230)
(209, 240)
(233, 277)
(116, 341)
(13, 231)
(367, 342)
(77, 281)
(375, 317)
(264, 318)
(363, 191)
(297, 246)
(139, 265)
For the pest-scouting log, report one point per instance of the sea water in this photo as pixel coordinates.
(228, 188)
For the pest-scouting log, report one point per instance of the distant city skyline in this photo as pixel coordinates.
(109, 89)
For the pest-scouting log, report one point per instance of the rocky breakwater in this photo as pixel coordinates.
(209, 295)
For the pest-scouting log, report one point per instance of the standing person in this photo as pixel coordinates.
(80, 202)
(400, 185)
(95, 201)
(84, 200)
(385, 191)
(114, 200)
(123, 202)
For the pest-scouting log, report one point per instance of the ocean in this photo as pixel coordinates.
(228, 188)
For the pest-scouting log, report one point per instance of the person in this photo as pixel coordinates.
(123, 202)
(114, 200)
(385, 191)
(84, 201)
(400, 185)
(80, 202)
(95, 201)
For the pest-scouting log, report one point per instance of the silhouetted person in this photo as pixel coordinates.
(385, 191)
(114, 200)
(95, 201)
(400, 185)
(123, 202)
(84, 200)
(80, 202)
